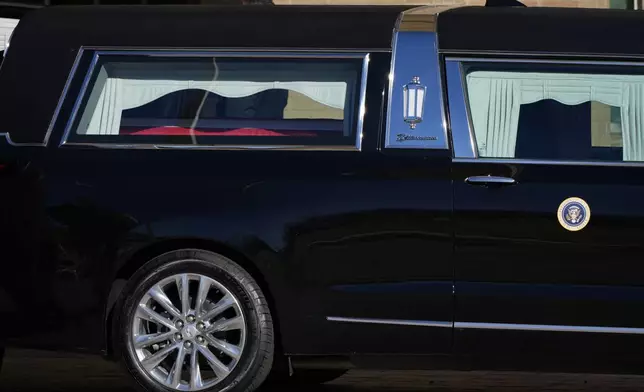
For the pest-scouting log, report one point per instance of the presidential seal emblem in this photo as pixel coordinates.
(573, 214)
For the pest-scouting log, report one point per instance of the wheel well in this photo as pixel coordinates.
(142, 256)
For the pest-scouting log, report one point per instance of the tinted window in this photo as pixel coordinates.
(556, 113)
(221, 101)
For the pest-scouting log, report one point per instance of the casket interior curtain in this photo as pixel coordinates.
(125, 86)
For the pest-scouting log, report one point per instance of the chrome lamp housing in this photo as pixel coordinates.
(413, 102)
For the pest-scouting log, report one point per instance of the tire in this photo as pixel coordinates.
(252, 344)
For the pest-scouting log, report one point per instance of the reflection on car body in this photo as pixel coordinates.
(217, 206)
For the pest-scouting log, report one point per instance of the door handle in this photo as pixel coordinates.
(490, 180)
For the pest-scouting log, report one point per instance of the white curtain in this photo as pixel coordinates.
(7, 25)
(633, 122)
(495, 113)
(496, 97)
(125, 86)
(139, 92)
(106, 118)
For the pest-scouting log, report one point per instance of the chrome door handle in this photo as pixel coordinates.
(490, 180)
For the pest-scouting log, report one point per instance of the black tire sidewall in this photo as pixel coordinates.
(228, 274)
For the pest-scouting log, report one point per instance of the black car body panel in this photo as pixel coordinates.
(377, 246)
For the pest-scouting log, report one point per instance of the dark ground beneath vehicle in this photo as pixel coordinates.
(37, 371)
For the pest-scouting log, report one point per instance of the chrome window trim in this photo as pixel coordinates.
(230, 53)
(491, 326)
(544, 61)
(473, 156)
(390, 80)
(79, 99)
(458, 107)
(246, 53)
(442, 89)
(141, 146)
(362, 102)
(242, 52)
(538, 54)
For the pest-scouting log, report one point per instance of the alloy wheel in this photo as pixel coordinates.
(188, 332)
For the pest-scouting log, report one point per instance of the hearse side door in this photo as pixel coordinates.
(548, 194)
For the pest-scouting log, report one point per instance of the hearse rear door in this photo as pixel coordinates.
(547, 208)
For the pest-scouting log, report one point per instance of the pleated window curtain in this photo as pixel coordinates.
(495, 100)
(125, 86)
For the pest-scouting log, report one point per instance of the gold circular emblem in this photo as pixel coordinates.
(573, 214)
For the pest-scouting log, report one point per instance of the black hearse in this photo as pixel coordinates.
(219, 196)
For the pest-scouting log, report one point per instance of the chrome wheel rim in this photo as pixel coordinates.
(188, 332)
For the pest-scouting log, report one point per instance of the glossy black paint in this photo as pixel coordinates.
(378, 234)
(515, 264)
(568, 30)
(354, 234)
(45, 34)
